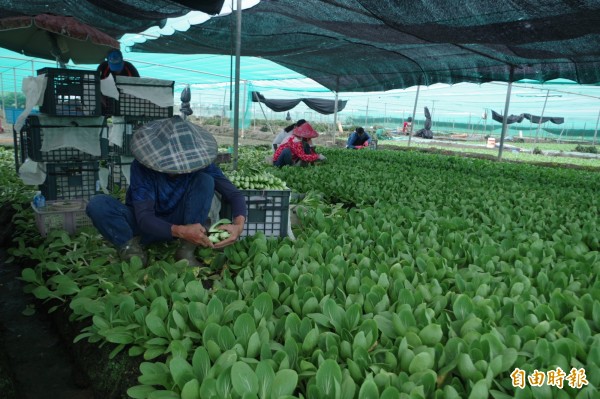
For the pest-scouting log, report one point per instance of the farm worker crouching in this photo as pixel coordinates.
(172, 184)
(358, 139)
(298, 149)
(285, 134)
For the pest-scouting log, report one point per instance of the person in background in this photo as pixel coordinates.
(115, 65)
(298, 149)
(285, 134)
(406, 127)
(172, 183)
(358, 139)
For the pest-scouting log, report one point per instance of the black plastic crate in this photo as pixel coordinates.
(73, 180)
(129, 105)
(117, 181)
(71, 92)
(32, 136)
(268, 211)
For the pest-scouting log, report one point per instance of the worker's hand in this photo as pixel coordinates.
(235, 231)
(322, 157)
(194, 233)
(366, 144)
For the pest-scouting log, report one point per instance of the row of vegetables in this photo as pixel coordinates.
(417, 276)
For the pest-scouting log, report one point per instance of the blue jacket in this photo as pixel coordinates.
(152, 194)
(355, 140)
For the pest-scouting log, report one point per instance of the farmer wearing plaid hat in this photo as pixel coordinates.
(172, 184)
(298, 149)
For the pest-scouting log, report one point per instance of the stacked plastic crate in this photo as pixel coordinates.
(69, 137)
(70, 113)
(126, 115)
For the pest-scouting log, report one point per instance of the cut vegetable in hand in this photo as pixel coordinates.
(215, 234)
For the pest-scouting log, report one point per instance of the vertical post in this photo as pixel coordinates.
(413, 115)
(2, 91)
(236, 108)
(596, 130)
(335, 111)
(367, 113)
(505, 117)
(541, 117)
(245, 105)
(15, 86)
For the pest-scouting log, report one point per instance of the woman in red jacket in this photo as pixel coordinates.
(298, 149)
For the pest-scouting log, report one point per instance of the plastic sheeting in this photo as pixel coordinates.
(322, 106)
(533, 118)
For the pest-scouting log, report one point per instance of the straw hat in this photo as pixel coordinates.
(305, 131)
(173, 145)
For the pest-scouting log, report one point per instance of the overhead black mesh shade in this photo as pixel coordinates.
(374, 45)
(115, 17)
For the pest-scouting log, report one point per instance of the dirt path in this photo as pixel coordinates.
(36, 359)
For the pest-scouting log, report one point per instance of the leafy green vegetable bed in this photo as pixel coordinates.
(434, 277)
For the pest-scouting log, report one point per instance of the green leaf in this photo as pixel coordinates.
(334, 313)
(181, 371)
(368, 390)
(191, 390)
(232, 309)
(421, 362)
(200, 363)
(164, 394)
(225, 339)
(141, 391)
(254, 344)
(195, 291)
(480, 390)
(28, 275)
(156, 325)
(390, 393)
(224, 386)
(244, 379)
(214, 309)
(431, 334)
(179, 320)
(263, 304)
(244, 327)
(42, 292)
(265, 375)
(118, 335)
(582, 329)
(329, 376)
(462, 307)
(509, 357)
(284, 383)
(386, 326)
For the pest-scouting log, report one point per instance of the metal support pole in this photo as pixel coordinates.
(505, 118)
(236, 107)
(596, 130)
(541, 117)
(245, 105)
(335, 111)
(15, 86)
(412, 124)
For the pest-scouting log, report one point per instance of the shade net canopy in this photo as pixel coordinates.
(115, 17)
(379, 45)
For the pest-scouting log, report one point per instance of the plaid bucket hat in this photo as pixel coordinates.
(305, 131)
(173, 145)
